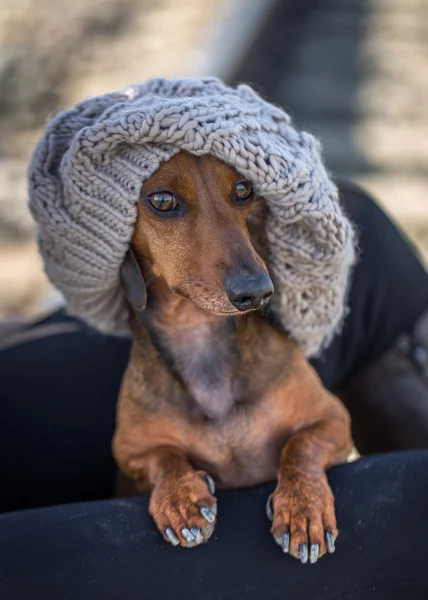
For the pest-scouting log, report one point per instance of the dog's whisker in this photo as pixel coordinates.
(186, 282)
(185, 303)
(151, 279)
(265, 311)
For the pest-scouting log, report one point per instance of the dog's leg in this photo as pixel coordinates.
(302, 505)
(182, 501)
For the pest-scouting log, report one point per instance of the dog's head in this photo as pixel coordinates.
(192, 228)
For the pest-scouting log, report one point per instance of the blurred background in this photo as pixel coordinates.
(353, 72)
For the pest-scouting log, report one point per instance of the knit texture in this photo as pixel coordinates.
(87, 171)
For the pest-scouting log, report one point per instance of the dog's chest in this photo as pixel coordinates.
(230, 402)
(204, 360)
(235, 426)
(244, 448)
(223, 368)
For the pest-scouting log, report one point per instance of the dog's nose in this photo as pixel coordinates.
(246, 290)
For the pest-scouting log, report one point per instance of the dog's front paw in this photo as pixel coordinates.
(184, 509)
(303, 518)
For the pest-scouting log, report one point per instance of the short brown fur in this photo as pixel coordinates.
(208, 390)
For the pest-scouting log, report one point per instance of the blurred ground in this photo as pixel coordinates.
(54, 53)
(354, 73)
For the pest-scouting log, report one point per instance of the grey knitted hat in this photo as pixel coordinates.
(87, 172)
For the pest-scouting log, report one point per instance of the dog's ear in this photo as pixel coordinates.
(133, 282)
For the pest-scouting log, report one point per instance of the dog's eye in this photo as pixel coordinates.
(163, 201)
(243, 191)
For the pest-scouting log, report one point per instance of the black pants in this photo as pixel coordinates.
(111, 550)
(57, 419)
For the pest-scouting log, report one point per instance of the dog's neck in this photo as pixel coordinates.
(199, 346)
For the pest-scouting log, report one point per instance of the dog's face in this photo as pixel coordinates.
(192, 228)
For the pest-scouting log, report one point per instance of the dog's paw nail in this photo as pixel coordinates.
(314, 553)
(171, 536)
(303, 553)
(210, 483)
(188, 535)
(207, 514)
(330, 542)
(197, 534)
(213, 509)
(285, 542)
(269, 509)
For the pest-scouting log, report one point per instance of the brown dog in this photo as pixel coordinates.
(213, 390)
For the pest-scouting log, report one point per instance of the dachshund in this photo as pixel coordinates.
(215, 393)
